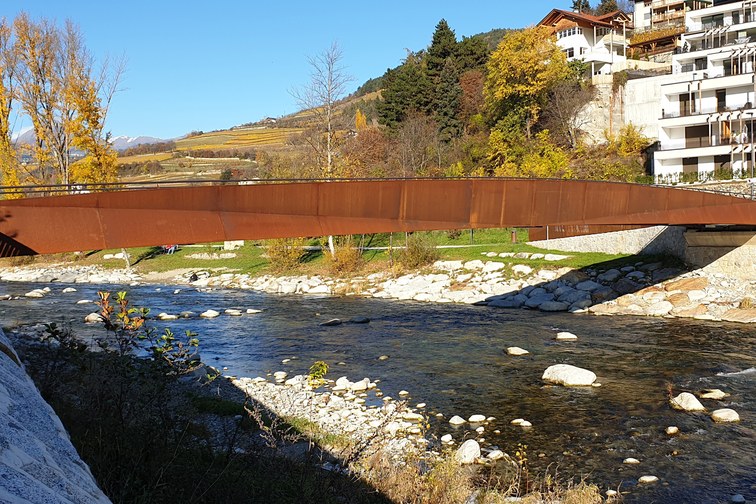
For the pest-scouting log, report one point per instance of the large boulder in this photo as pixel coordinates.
(553, 306)
(725, 415)
(468, 452)
(569, 376)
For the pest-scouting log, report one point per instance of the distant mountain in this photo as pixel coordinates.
(121, 143)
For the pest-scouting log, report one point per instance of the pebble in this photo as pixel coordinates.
(517, 351)
(713, 394)
(280, 375)
(92, 318)
(611, 493)
(68, 290)
(456, 420)
(525, 423)
(233, 312)
(476, 418)
(403, 393)
(383, 357)
(420, 405)
(332, 322)
(209, 314)
(496, 455)
(672, 430)
(480, 430)
(631, 460)
(517, 421)
(83, 301)
(252, 311)
(468, 452)
(566, 336)
(447, 438)
(648, 479)
(166, 316)
(285, 361)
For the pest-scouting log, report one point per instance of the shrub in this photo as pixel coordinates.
(346, 259)
(285, 253)
(419, 251)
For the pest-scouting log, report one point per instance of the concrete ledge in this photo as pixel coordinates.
(38, 463)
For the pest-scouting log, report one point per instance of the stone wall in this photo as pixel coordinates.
(729, 253)
(38, 463)
(666, 240)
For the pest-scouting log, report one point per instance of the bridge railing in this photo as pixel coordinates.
(43, 190)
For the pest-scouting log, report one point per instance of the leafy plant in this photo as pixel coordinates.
(419, 251)
(316, 375)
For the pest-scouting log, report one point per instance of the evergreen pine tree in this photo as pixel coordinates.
(606, 6)
(581, 6)
(448, 93)
(443, 46)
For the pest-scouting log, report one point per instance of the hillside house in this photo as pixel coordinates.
(659, 25)
(600, 41)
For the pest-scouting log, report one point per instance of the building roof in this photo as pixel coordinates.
(607, 20)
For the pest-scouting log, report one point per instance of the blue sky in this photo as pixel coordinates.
(214, 64)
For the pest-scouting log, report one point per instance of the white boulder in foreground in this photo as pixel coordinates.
(38, 462)
(686, 402)
(92, 318)
(648, 479)
(513, 350)
(725, 415)
(209, 314)
(569, 376)
(468, 452)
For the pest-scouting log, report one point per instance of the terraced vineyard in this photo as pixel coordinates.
(237, 138)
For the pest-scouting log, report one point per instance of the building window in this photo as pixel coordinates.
(575, 30)
(570, 53)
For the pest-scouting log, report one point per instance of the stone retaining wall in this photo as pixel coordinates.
(38, 463)
(667, 240)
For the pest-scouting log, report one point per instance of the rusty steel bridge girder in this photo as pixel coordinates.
(149, 217)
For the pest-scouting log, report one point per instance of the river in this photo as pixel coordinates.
(452, 358)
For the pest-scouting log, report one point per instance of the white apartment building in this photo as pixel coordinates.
(600, 41)
(662, 14)
(708, 115)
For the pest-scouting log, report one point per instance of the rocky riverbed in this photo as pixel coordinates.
(645, 289)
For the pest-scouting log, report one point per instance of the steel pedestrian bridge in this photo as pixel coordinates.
(136, 215)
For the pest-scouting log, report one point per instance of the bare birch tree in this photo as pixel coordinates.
(327, 86)
(8, 161)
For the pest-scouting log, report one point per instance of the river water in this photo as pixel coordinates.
(452, 358)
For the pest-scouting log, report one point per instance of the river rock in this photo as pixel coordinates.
(588, 285)
(476, 418)
(715, 394)
(553, 306)
(725, 415)
(252, 311)
(359, 320)
(739, 315)
(447, 439)
(687, 284)
(631, 461)
(566, 336)
(738, 499)
(457, 420)
(609, 276)
(332, 322)
(555, 257)
(84, 301)
(166, 316)
(534, 301)
(672, 430)
(280, 375)
(569, 376)
(626, 286)
(36, 293)
(521, 269)
(468, 452)
(233, 312)
(495, 455)
(686, 402)
(515, 301)
(360, 386)
(92, 318)
(209, 314)
(648, 479)
(517, 351)
(659, 309)
(68, 290)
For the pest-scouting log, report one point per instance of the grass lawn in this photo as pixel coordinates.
(251, 259)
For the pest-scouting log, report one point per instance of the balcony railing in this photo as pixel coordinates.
(676, 112)
(715, 141)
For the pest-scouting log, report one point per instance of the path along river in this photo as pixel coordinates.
(451, 358)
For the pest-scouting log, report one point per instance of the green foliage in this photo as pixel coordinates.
(619, 80)
(317, 373)
(472, 53)
(443, 47)
(606, 7)
(176, 355)
(581, 6)
(448, 102)
(619, 160)
(408, 89)
(420, 250)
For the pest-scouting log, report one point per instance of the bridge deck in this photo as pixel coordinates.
(277, 210)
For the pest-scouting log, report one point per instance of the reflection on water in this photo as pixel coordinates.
(452, 358)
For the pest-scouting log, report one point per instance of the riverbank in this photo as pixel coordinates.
(633, 286)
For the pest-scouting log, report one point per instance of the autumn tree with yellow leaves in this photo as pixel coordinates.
(49, 72)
